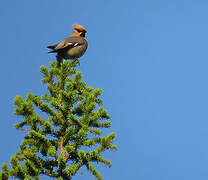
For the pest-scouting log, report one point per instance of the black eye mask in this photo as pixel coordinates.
(82, 34)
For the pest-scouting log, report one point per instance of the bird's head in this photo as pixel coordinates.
(79, 30)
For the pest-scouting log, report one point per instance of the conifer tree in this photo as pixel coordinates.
(69, 136)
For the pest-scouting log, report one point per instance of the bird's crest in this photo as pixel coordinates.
(79, 27)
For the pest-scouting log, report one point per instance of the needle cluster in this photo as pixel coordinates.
(63, 128)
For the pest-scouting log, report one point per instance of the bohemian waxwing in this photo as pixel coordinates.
(72, 47)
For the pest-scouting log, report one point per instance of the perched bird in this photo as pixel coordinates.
(72, 47)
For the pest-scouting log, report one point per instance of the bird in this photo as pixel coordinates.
(72, 47)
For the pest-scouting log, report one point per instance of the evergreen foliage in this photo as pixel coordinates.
(70, 137)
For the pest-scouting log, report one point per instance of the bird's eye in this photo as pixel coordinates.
(82, 34)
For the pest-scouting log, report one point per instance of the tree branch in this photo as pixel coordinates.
(61, 147)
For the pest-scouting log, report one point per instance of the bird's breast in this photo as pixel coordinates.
(75, 52)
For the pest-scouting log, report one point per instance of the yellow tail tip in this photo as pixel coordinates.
(50, 51)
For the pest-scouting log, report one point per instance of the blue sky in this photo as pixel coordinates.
(149, 57)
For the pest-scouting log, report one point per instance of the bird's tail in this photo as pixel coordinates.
(51, 47)
(52, 51)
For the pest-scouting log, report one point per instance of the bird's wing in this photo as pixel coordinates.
(67, 43)
(70, 42)
(58, 46)
(61, 44)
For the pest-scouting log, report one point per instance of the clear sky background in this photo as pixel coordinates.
(149, 57)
